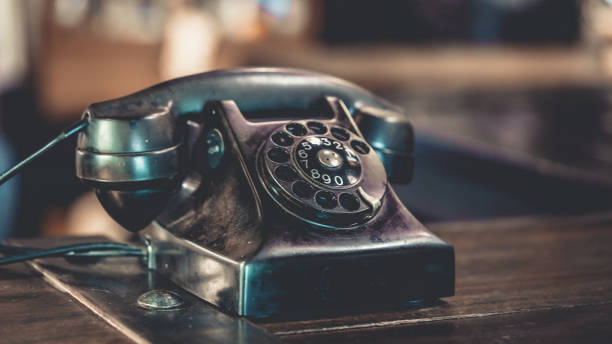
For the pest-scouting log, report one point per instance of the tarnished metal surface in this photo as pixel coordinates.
(254, 89)
(143, 129)
(232, 244)
(135, 162)
(134, 142)
(224, 234)
(143, 145)
(391, 135)
(213, 277)
(111, 288)
(159, 300)
(128, 168)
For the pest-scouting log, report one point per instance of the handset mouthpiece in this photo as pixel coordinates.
(132, 161)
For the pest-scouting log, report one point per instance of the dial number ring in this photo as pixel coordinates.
(326, 178)
(343, 169)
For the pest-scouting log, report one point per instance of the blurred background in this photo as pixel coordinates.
(510, 99)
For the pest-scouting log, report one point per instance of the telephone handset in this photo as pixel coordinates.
(266, 217)
(133, 148)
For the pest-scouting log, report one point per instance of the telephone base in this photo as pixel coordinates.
(327, 279)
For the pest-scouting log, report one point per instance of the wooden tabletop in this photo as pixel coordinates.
(32, 311)
(530, 279)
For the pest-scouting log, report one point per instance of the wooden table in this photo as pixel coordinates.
(518, 280)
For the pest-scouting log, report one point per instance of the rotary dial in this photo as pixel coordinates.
(322, 173)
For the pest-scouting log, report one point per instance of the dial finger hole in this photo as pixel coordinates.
(278, 154)
(286, 173)
(317, 127)
(340, 134)
(303, 189)
(326, 199)
(282, 139)
(349, 201)
(360, 147)
(296, 129)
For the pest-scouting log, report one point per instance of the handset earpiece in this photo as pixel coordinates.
(392, 137)
(133, 162)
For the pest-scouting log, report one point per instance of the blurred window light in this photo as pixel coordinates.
(238, 19)
(277, 8)
(140, 21)
(13, 47)
(286, 17)
(190, 42)
(70, 13)
(598, 17)
(134, 20)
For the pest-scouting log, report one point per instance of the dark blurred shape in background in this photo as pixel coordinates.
(510, 98)
(544, 22)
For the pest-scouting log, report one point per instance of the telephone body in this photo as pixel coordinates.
(291, 213)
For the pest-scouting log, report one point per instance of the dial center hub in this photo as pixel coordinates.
(329, 159)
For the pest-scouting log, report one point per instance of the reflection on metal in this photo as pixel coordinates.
(215, 148)
(231, 240)
(202, 272)
(150, 254)
(135, 142)
(329, 158)
(115, 290)
(371, 201)
(237, 245)
(328, 275)
(391, 135)
(159, 299)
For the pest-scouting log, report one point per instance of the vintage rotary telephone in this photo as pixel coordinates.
(265, 191)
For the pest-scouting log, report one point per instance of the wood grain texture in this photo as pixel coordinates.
(32, 311)
(579, 324)
(510, 269)
(525, 280)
